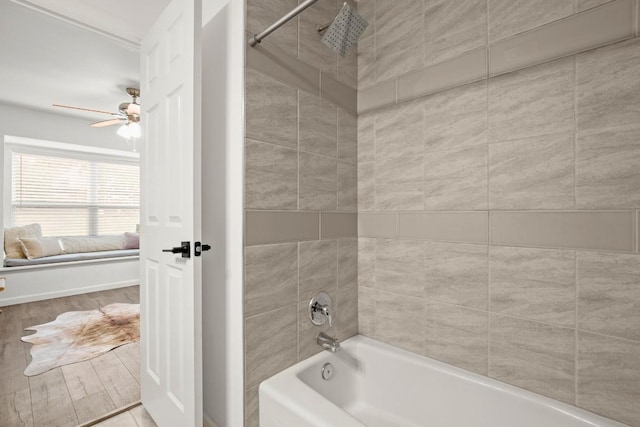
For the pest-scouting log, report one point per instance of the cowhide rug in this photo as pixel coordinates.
(76, 336)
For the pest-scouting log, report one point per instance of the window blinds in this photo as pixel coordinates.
(74, 196)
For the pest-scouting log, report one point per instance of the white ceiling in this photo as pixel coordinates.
(75, 52)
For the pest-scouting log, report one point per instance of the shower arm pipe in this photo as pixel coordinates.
(257, 38)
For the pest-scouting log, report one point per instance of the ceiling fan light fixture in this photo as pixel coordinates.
(124, 131)
(134, 130)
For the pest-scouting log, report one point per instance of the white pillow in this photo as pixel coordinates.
(74, 245)
(12, 236)
(34, 247)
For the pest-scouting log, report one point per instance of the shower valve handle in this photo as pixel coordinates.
(320, 309)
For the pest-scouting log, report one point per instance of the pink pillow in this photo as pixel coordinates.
(131, 240)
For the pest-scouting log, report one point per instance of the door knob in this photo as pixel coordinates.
(184, 249)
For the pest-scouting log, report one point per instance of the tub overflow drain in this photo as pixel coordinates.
(327, 371)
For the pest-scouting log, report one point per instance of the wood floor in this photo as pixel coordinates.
(136, 417)
(71, 394)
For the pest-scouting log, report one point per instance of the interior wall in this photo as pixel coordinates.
(300, 191)
(498, 219)
(222, 224)
(30, 123)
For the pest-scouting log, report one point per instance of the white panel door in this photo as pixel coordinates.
(171, 285)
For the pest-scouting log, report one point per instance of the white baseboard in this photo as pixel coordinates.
(66, 292)
(208, 422)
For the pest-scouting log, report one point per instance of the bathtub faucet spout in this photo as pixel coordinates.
(331, 344)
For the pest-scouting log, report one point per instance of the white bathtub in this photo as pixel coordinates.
(378, 385)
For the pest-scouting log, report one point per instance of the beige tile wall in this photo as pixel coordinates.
(300, 191)
(470, 40)
(299, 39)
(498, 220)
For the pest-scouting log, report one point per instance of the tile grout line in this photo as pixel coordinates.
(297, 301)
(576, 346)
(575, 206)
(575, 131)
(298, 147)
(487, 3)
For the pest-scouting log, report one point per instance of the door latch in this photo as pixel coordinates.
(184, 249)
(198, 248)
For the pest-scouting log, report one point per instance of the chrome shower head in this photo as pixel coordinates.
(341, 34)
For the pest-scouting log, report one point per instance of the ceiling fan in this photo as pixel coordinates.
(128, 112)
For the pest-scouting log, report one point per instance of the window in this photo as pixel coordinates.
(73, 193)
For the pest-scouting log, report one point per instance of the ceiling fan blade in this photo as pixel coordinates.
(91, 110)
(107, 123)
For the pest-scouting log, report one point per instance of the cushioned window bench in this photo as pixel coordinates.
(69, 274)
(82, 256)
(52, 267)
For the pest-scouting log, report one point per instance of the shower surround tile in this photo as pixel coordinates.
(347, 313)
(366, 311)
(399, 169)
(347, 136)
(347, 264)
(334, 225)
(452, 28)
(366, 262)
(271, 112)
(599, 230)
(347, 187)
(399, 320)
(457, 226)
(265, 358)
(563, 38)
(348, 68)
(588, 4)
(310, 49)
(378, 225)
(265, 227)
(457, 274)
(399, 183)
(608, 90)
(456, 179)
(366, 61)
(535, 284)
(398, 130)
(339, 93)
(533, 173)
(456, 118)
(509, 17)
(318, 177)
(400, 267)
(534, 356)
(366, 137)
(531, 102)
(463, 69)
(251, 408)
(317, 125)
(609, 377)
(366, 187)
(457, 336)
(271, 176)
(399, 38)
(280, 66)
(318, 268)
(271, 277)
(609, 294)
(608, 169)
(261, 14)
